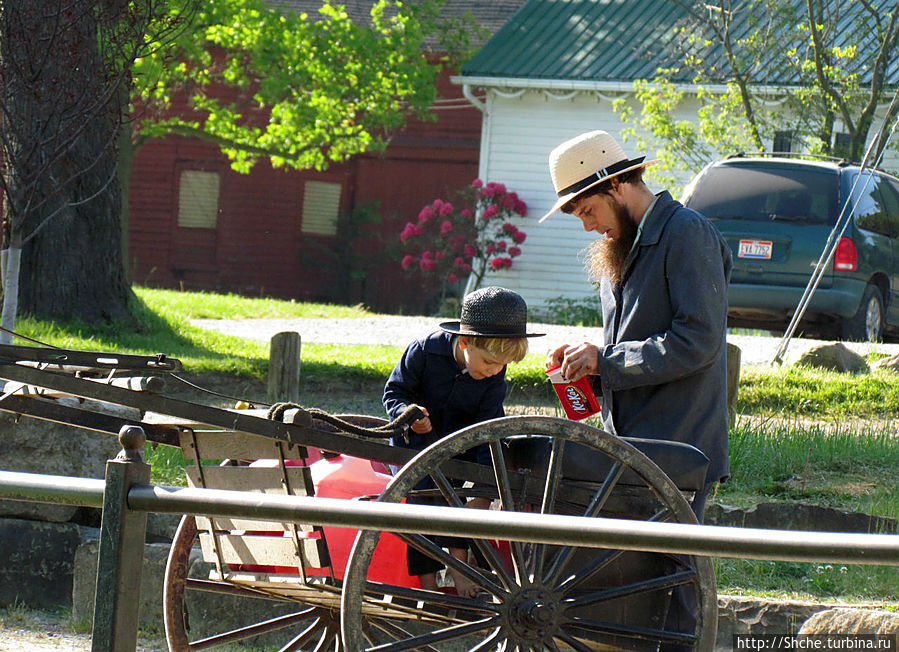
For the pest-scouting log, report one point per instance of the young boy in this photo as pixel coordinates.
(458, 376)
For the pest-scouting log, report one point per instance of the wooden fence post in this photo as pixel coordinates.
(121, 558)
(733, 382)
(284, 368)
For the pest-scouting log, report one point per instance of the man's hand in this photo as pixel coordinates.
(576, 361)
(422, 426)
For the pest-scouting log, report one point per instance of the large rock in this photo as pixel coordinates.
(834, 357)
(152, 580)
(851, 621)
(741, 615)
(38, 562)
(797, 516)
(37, 446)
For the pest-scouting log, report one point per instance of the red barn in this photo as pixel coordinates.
(197, 224)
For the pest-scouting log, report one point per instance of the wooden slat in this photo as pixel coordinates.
(263, 550)
(224, 523)
(265, 480)
(227, 444)
(261, 479)
(167, 419)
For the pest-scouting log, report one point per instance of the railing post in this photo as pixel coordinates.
(122, 536)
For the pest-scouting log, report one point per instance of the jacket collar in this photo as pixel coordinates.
(655, 222)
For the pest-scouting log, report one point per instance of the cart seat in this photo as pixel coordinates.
(684, 464)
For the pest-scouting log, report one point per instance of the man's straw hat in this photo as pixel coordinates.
(585, 161)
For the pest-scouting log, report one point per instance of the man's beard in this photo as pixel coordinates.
(606, 256)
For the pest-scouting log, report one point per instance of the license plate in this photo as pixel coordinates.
(754, 249)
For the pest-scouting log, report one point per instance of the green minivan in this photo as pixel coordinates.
(777, 214)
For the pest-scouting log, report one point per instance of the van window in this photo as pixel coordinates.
(770, 193)
(877, 209)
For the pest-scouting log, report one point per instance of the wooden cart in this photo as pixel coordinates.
(300, 586)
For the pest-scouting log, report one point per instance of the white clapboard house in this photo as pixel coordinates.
(552, 72)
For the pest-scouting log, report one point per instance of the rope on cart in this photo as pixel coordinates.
(392, 429)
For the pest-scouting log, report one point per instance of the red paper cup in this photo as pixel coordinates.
(577, 398)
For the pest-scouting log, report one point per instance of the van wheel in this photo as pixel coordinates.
(867, 324)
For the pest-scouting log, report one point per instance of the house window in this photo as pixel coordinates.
(198, 199)
(783, 141)
(841, 142)
(321, 202)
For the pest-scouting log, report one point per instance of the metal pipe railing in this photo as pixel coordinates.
(750, 543)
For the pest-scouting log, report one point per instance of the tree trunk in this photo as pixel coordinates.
(64, 107)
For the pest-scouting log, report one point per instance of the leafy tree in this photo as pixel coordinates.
(65, 75)
(803, 66)
(302, 92)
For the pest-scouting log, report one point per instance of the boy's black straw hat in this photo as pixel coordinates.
(492, 312)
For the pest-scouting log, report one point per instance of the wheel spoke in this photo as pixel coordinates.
(599, 630)
(435, 598)
(574, 580)
(507, 503)
(553, 478)
(428, 547)
(594, 508)
(304, 637)
(446, 634)
(489, 641)
(654, 584)
(329, 637)
(395, 632)
(252, 630)
(484, 548)
(572, 642)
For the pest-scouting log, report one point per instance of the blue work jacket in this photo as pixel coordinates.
(428, 375)
(663, 367)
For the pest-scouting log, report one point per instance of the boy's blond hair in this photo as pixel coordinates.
(507, 349)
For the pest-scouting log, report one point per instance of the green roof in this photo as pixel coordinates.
(609, 40)
(624, 40)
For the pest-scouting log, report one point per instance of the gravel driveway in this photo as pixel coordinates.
(399, 331)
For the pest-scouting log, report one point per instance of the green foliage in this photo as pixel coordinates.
(573, 312)
(303, 91)
(729, 59)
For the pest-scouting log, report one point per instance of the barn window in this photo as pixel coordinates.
(321, 202)
(198, 199)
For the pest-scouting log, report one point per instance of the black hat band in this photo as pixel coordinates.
(600, 174)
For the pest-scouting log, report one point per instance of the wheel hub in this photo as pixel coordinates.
(534, 613)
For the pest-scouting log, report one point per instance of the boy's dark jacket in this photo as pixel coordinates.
(428, 375)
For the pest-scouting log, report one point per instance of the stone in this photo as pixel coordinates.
(891, 363)
(741, 615)
(834, 357)
(32, 445)
(844, 620)
(798, 516)
(152, 581)
(38, 563)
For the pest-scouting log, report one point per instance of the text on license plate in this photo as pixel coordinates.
(754, 249)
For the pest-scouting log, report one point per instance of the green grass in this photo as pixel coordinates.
(850, 462)
(845, 468)
(209, 305)
(815, 393)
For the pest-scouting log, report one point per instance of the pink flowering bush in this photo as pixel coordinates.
(471, 235)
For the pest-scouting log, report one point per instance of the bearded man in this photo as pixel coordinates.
(663, 272)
